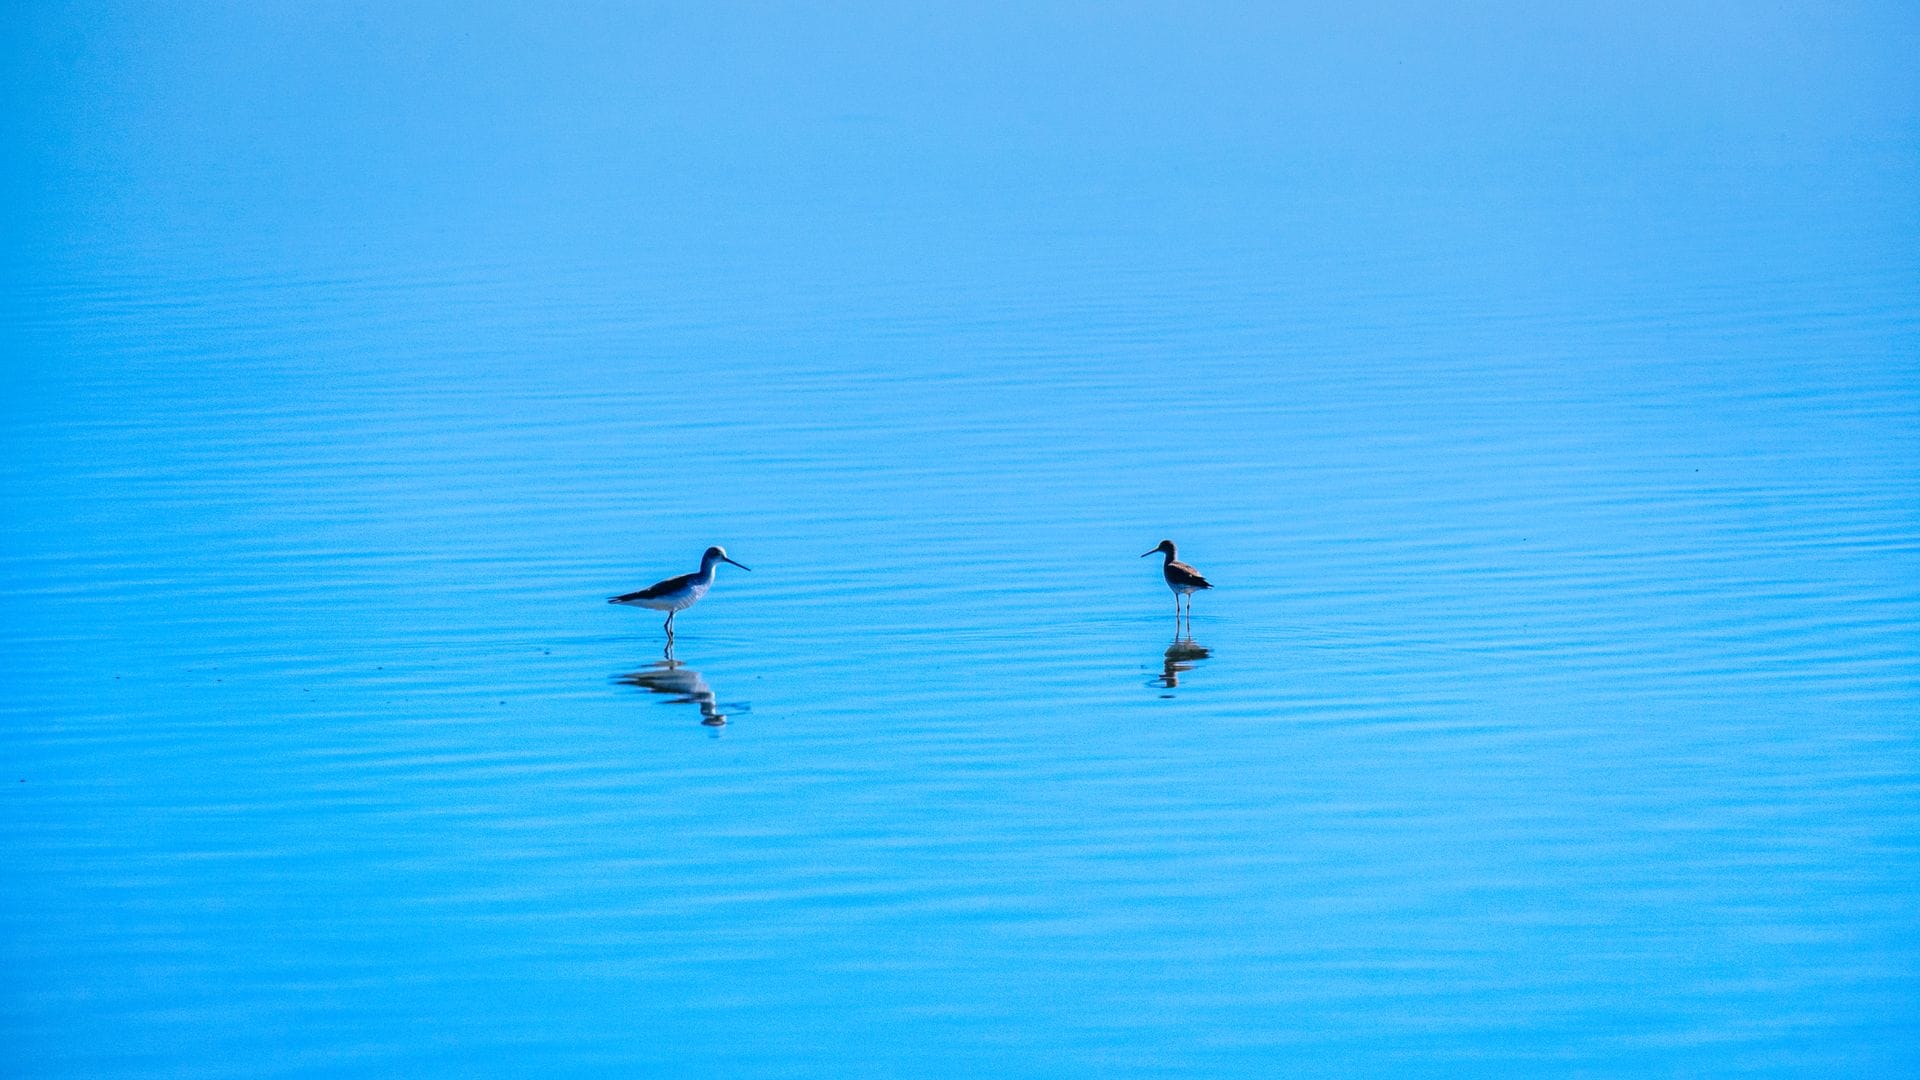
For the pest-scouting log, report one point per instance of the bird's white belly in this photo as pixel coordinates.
(1183, 590)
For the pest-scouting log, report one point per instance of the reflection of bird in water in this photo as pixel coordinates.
(1180, 657)
(1184, 580)
(677, 594)
(681, 683)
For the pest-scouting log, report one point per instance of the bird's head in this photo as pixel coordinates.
(719, 554)
(1164, 545)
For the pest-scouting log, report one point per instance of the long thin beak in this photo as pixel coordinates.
(1155, 551)
(741, 565)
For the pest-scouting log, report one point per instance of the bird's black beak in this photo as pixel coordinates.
(741, 565)
(1155, 551)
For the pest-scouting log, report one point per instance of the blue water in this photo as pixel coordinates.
(1541, 392)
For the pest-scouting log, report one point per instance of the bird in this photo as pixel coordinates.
(1184, 580)
(677, 594)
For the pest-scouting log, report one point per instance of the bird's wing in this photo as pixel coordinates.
(658, 588)
(1187, 575)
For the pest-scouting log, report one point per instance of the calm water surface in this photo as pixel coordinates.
(1554, 711)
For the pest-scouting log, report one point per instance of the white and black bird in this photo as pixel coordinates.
(1184, 580)
(677, 594)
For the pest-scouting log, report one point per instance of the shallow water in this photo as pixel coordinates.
(1561, 484)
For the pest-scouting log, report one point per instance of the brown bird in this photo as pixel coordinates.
(1184, 580)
